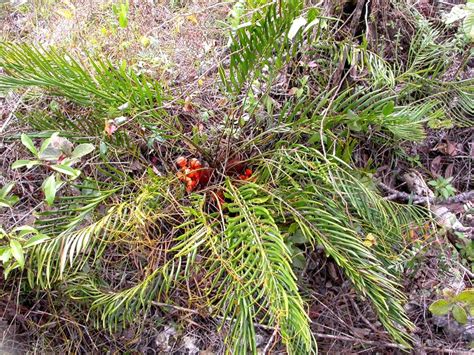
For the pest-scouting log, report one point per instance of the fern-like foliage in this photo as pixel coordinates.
(334, 209)
(262, 44)
(259, 272)
(77, 242)
(249, 277)
(96, 83)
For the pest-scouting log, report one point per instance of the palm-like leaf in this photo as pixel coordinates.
(336, 211)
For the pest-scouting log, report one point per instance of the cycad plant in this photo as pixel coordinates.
(230, 220)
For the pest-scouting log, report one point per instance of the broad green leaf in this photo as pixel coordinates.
(103, 148)
(5, 254)
(4, 204)
(44, 145)
(66, 170)
(28, 163)
(471, 311)
(49, 189)
(10, 267)
(466, 296)
(25, 230)
(10, 200)
(5, 190)
(37, 239)
(82, 150)
(459, 314)
(440, 307)
(28, 143)
(17, 252)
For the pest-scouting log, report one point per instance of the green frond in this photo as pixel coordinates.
(261, 44)
(96, 83)
(111, 309)
(260, 264)
(250, 267)
(73, 245)
(332, 208)
(427, 54)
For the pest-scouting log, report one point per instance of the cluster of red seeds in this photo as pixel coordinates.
(191, 172)
(246, 175)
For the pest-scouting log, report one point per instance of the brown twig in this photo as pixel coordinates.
(417, 199)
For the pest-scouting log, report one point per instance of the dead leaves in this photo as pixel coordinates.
(188, 107)
(448, 148)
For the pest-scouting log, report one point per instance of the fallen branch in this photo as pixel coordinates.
(444, 217)
(418, 199)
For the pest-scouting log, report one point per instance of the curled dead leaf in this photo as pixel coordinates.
(110, 127)
(449, 171)
(436, 165)
(188, 106)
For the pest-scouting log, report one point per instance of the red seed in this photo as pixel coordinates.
(194, 174)
(182, 162)
(195, 164)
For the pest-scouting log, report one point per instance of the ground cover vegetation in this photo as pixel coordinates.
(152, 199)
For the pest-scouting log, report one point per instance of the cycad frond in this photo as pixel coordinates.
(111, 309)
(260, 269)
(73, 245)
(335, 210)
(261, 44)
(98, 83)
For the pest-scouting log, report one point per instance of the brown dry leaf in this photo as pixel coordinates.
(188, 106)
(448, 148)
(292, 91)
(192, 18)
(436, 165)
(440, 147)
(62, 144)
(110, 128)
(451, 148)
(449, 171)
(333, 272)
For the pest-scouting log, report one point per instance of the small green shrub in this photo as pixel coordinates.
(459, 306)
